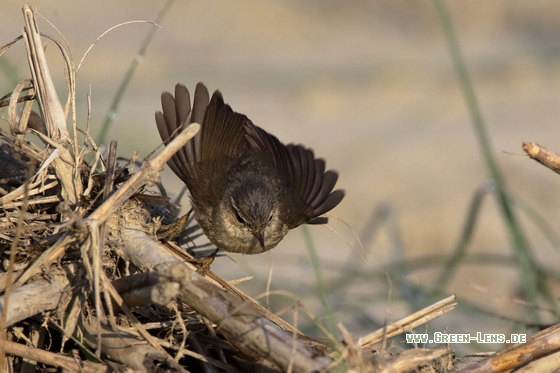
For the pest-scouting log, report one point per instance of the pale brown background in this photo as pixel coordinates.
(369, 85)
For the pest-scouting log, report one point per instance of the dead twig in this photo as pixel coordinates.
(411, 321)
(66, 362)
(546, 157)
(148, 173)
(537, 346)
(66, 167)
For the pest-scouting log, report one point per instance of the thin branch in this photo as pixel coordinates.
(411, 321)
(546, 157)
(143, 175)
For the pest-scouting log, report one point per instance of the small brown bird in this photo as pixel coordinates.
(247, 188)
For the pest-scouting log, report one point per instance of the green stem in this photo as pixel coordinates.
(321, 285)
(112, 112)
(522, 252)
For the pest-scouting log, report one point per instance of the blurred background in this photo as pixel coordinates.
(371, 88)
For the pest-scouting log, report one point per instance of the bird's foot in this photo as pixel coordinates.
(203, 264)
(172, 230)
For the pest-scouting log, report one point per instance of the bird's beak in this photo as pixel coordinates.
(260, 237)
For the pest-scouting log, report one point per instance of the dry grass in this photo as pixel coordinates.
(89, 287)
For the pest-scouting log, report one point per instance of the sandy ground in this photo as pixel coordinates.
(371, 88)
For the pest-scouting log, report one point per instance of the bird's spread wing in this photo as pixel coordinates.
(175, 116)
(221, 136)
(305, 175)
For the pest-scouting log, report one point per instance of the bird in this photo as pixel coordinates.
(247, 188)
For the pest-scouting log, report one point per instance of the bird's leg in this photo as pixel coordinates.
(172, 230)
(203, 264)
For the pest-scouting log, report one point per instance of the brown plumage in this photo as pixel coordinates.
(247, 188)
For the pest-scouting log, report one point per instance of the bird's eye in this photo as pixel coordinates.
(239, 218)
(236, 212)
(269, 218)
